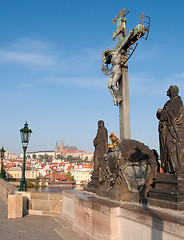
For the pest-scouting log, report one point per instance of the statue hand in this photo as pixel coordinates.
(159, 113)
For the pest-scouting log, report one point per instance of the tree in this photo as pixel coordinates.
(41, 157)
(59, 156)
(43, 182)
(34, 156)
(3, 172)
(86, 159)
(36, 185)
(69, 158)
(70, 176)
(46, 157)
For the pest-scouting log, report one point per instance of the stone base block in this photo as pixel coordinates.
(168, 192)
(17, 206)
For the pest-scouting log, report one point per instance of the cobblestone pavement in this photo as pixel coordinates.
(34, 227)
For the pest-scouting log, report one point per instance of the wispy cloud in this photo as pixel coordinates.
(77, 68)
(26, 58)
(140, 82)
(179, 76)
(30, 53)
(79, 81)
(30, 44)
(37, 54)
(147, 83)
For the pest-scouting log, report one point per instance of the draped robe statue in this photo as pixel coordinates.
(171, 133)
(100, 142)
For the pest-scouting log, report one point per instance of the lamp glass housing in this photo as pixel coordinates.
(25, 134)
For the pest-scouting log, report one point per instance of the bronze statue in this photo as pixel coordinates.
(100, 142)
(171, 132)
(114, 57)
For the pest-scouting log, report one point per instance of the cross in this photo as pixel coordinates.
(118, 57)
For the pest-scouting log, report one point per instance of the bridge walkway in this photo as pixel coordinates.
(34, 227)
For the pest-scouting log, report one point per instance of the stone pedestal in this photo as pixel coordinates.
(168, 191)
(17, 206)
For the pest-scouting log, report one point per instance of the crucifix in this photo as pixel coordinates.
(118, 58)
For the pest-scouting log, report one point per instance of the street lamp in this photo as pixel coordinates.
(2, 156)
(25, 134)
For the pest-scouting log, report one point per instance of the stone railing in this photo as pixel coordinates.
(6, 189)
(97, 218)
(34, 203)
(44, 203)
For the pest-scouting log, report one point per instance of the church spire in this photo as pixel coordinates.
(61, 146)
(56, 148)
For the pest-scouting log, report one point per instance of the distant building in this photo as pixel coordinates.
(61, 147)
(38, 153)
(16, 173)
(83, 177)
(82, 172)
(12, 156)
(88, 156)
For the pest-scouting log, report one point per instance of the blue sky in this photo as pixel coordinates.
(50, 69)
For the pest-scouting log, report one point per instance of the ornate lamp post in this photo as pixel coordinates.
(2, 156)
(25, 134)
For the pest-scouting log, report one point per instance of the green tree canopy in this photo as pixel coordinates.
(34, 156)
(70, 176)
(59, 156)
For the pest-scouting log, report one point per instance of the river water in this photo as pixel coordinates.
(55, 189)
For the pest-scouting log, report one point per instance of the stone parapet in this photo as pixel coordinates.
(44, 203)
(6, 189)
(97, 218)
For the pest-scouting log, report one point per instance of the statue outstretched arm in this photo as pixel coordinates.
(127, 39)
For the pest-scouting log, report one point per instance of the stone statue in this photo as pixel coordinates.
(101, 146)
(100, 142)
(171, 132)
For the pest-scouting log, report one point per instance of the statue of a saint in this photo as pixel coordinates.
(100, 142)
(171, 132)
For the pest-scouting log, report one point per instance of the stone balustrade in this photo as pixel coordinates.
(6, 189)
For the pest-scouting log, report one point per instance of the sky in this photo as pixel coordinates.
(50, 70)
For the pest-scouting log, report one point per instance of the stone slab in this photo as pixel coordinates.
(56, 206)
(40, 205)
(66, 231)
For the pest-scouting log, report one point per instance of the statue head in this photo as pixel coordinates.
(173, 91)
(107, 56)
(100, 123)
